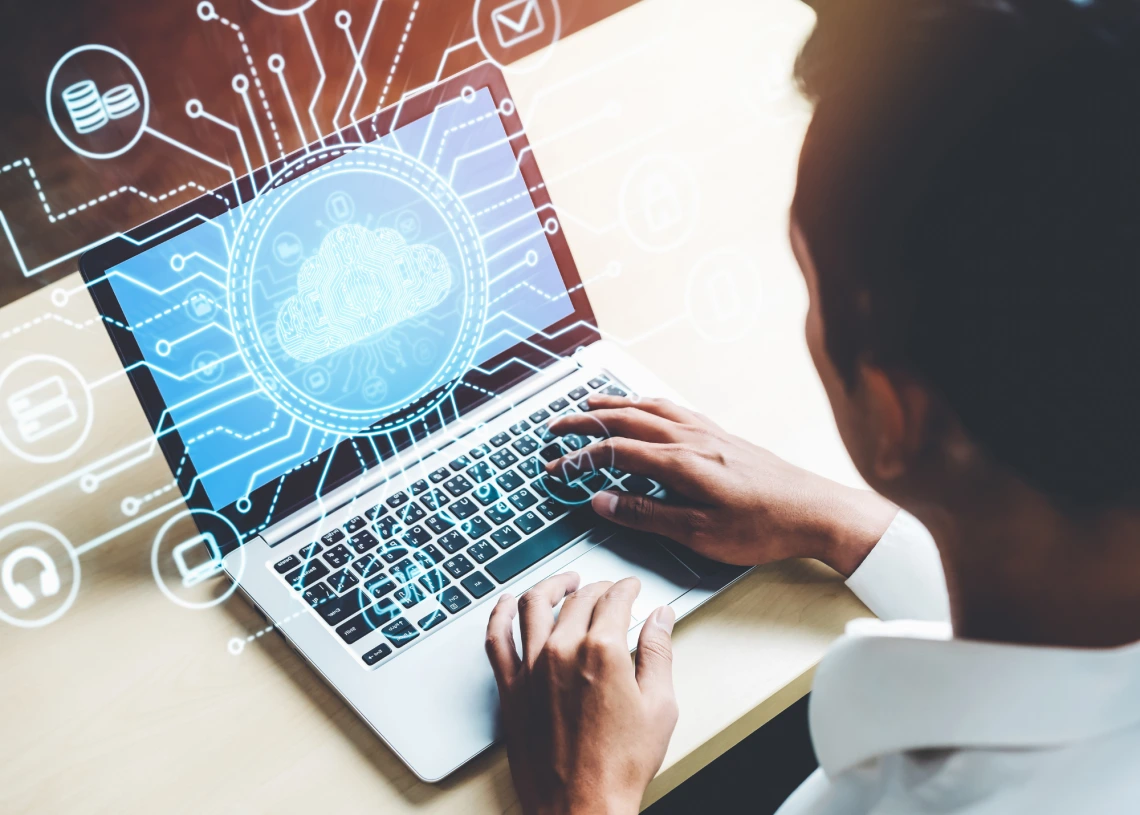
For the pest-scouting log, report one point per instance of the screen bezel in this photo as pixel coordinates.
(348, 459)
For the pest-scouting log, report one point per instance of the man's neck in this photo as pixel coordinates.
(1020, 571)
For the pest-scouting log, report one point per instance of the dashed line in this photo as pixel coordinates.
(550, 297)
(456, 129)
(396, 59)
(256, 82)
(510, 200)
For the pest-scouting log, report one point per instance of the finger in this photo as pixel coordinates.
(655, 654)
(536, 610)
(650, 515)
(500, 642)
(614, 611)
(627, 421)
(673, 465)
(658, 407)
(577, 611)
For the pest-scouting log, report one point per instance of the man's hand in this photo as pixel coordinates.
(586, 731)
(728, 499)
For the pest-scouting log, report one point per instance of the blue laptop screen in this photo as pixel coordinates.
(174, 297)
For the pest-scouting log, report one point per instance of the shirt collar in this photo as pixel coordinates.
(888, 687)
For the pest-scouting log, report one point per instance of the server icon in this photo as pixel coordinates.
(89, 111)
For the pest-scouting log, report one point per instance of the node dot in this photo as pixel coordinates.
(235, 646)
(59, 297)
(88, 483)
(532, 258)
(343, 19)
(177, 263)
(241, 83)
(162, 348)
(551, 226)
(244, 505)
(467, 94)
(507, 108)
(130, 507)
(194, 108)
(276, 63)
(206, 11)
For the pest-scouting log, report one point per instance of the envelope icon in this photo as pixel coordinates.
(517, 21)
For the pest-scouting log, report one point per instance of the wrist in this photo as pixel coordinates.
(855, 524)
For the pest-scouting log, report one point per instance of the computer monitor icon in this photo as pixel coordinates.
(189, 563)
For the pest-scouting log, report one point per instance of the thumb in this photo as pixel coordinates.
(641, 513)
(655, 654)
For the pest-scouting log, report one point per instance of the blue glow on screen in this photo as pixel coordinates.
(174, 299)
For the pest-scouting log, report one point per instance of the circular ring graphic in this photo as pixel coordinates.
(301, 7)
(388, 166)
(170, 522)
(580, 475)
(665, 213)
(64, 402)
(55, 535)
(510, 36)
(138, 78)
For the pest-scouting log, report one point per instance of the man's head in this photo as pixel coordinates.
(968, 218)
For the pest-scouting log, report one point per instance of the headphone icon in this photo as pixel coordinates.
(49, 578)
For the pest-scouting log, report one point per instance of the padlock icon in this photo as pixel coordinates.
(661, 203)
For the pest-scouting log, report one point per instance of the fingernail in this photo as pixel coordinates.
(665, 617)
(605, 504)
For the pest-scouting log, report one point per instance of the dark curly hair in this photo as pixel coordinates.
(970, 193)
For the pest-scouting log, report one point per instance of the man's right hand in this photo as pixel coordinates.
(728, 499)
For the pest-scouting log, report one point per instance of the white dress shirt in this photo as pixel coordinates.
(907, 719)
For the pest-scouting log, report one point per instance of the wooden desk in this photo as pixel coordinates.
(130, 703)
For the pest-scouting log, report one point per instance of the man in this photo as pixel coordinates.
(966, 221)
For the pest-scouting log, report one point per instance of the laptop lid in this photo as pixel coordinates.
(297, 326)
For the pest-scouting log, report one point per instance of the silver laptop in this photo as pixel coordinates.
(350, 359)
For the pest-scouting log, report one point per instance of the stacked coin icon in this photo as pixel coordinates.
(121, 101)
(85, 107)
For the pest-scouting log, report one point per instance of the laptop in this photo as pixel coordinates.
(350, 359)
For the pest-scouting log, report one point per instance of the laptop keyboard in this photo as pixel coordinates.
(405, 561)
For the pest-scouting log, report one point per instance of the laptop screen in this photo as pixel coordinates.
(333, 245)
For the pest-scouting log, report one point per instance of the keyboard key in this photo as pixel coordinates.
(380, 586)
(520, 428)
(552, 452)
(457, 486)
(287, 564)
(411, 514)
(598, 381)
(410, 595)
(476, 528)
(440, 523)
(500, 439)
(400, 633)
(406, 570)
(317, 594)
(510, 481)
(482, 551)
(311, 550)
(531, 468)
(419, 487)
(638, 484)
(613, 390)
(442, 474)
(397, 500)
(335, 612)
(486, 494)
(574, 441)
(355, 524)
(417, 536)
(454, 600)
(539, 416)
(376, 654)
(354, 629)
(432, 620)
(435, 581)
(559, 490)
(504, 459)
(461, 463)
(388, 527)
(528, 522)
(432, 551)
(480, 472)
(578, 393)
(363, 541)
(332, 536)
(434, 500)
(363, 624)
(306, 574)
(367, 565)
(506, 537)
(393, 552)
(452, 542)
(477, 585)
(523, 499)
(372, 513)
(544, 543)
(584, 406)
(552, 509)
(458, 566)
(342, 580)
(525, 446)
(543, 432)
(480, 451)
(338, 556)
(500, 513)
(464, 508)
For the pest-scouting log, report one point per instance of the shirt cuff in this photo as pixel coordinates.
(902, 577)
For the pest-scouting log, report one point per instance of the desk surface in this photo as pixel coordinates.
(131, 703)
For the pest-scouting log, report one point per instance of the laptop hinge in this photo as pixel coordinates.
(303, 518)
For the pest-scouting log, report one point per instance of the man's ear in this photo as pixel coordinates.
(898, 416)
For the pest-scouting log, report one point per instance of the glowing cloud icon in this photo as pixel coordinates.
(358, 284)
